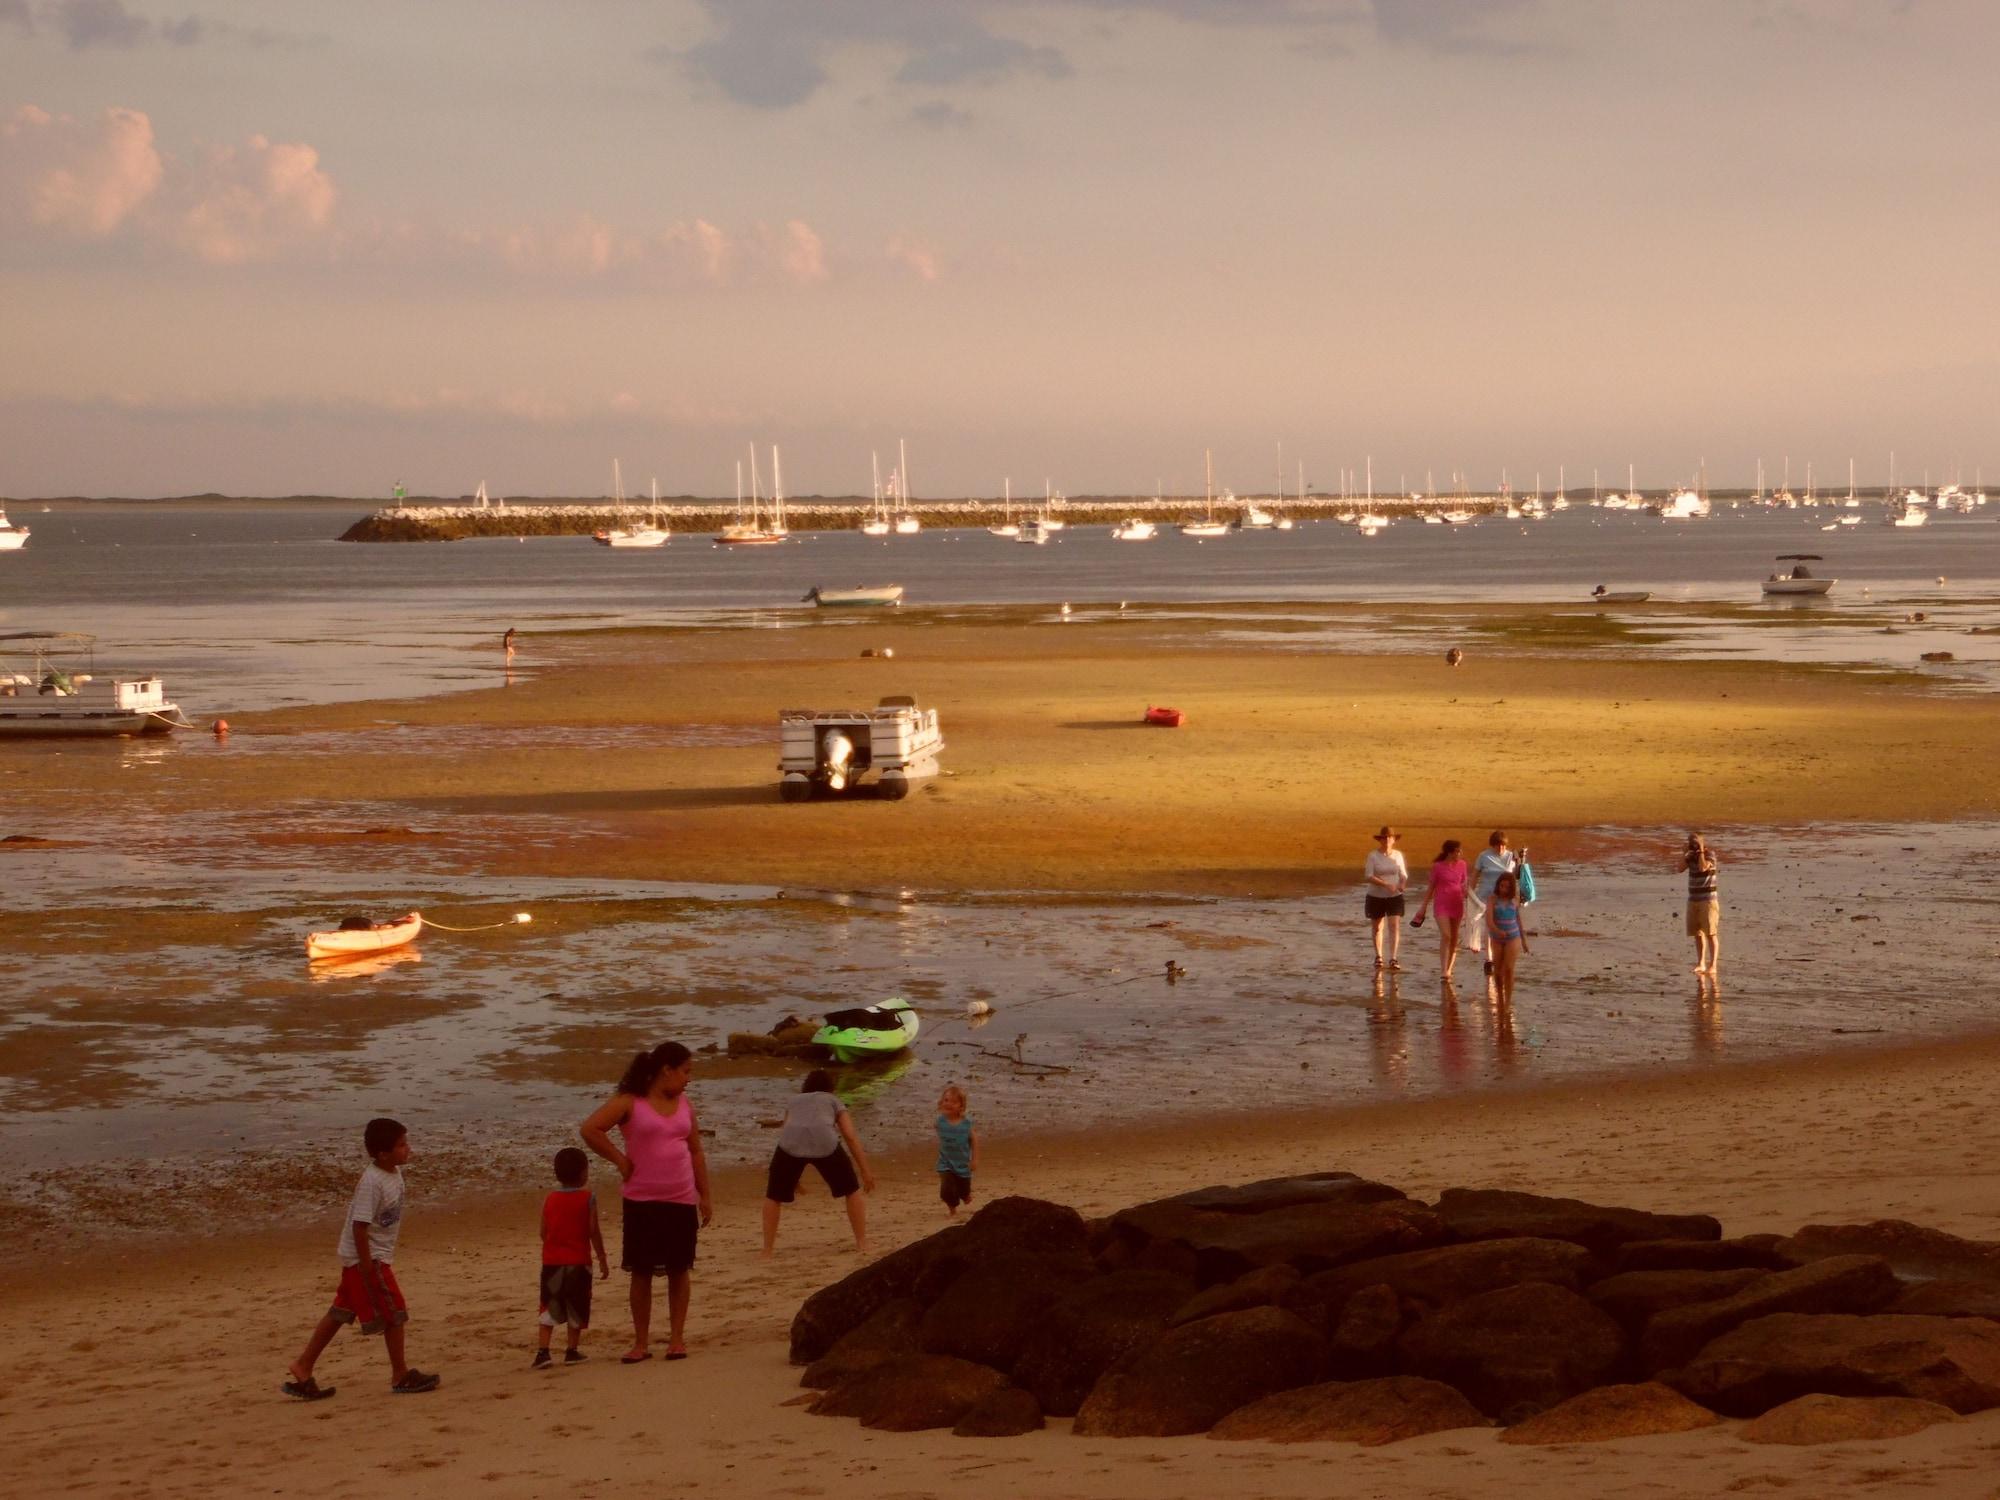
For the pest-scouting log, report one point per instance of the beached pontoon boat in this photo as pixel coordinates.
(830, 750)
(48, 688)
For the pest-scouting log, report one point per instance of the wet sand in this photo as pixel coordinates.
(180, 1354)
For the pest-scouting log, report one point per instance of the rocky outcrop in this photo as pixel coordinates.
(1952, 1361)
(1368, 1412)
(834, 1310)
(994, 1306)
(1949, 1299)
(1221, 1245)
(1910, 1249)
(1635, 1297)
(1613, 1411)
(1087, 1329)
(1267, 1286)
(890, 1330)
(1845, 1419)
(1008, 1412)
(1189, 1378)
(1843, 1284)
(1362, 1338)
(1516, 1351)
(1757, 1251)
(1447, 1274)
(911, 1392)
(1487, 1214)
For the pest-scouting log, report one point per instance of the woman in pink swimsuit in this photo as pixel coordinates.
(1447, 891)
(665, 1191)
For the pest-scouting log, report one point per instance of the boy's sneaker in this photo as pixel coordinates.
(416, 1382)
(574, 1356)
(542, 1359)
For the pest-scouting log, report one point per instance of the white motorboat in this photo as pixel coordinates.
(650, 533)
(43, 693)
(1910, 515)
(1800, 580)
(1035, 532)
(908, 525)
(12, 538)
(1682, 505)
(1256, 518)
(1602, 595)
(1134, 530)
(878, 596)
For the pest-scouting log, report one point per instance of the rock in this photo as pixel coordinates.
(1008, 1412)
(789, 1038)
(1265, 1287)
(1751, 1250)
(1910, 1249)
(1310, 1236)
(1613, 1411)
(1363, 1339)
(1005, 1226)
(833, 1310)
(1190, 1377)
(1635, 1296)
(1288, 1192)
(910, 1393)
(1446, 1274)
(890, 1330)
(1842, 1284)
(1516, 1351)
(1949, 1299)
(1083, 1333)
(1845, 1419)
(1952, 1361)
(1488, 1214)
(1368, 1412)
(990, 1309)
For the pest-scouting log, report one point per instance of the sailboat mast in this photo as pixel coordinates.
(753, 487)
(777, 492)
(903, 472)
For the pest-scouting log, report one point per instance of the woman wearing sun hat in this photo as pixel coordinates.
(1386, 875)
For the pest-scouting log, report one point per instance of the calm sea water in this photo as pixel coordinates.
(245, 607)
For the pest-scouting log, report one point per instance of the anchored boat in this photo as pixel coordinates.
(879, 596)
(12, 538)
(1800, 580)
(48, 688)
(358, 937)
(869, 1031)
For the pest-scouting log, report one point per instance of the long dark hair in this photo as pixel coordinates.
(1451, 847)
(645, 1067)
(818, 1081)
(1513, 889)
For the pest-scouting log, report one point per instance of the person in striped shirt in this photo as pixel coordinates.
(1704, 909)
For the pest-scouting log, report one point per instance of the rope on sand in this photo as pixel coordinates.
(519, 916)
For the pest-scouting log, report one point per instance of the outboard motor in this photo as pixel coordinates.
(836, 756)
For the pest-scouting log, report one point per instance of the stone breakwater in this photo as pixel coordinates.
(1330, 1308)
(450, 523)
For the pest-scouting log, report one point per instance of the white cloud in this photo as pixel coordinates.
(80, 178)
(248, 203)
(920, 259)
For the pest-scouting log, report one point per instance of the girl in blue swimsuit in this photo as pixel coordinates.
(1507, 939)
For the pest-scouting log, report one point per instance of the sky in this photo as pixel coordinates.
(270, 248)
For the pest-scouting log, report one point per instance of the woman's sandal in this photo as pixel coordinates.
(640, 1358)
(308, 1389)
(677, 1351)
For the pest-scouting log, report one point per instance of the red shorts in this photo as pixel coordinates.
(353, 1300)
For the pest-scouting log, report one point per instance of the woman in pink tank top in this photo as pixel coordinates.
(1446, 894)
(664, 1185)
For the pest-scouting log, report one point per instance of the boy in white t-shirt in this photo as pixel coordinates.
(368, 1292)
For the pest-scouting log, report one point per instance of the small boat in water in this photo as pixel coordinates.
(59, 693)
(1602, 595)
(1165, 718)
(12, 538)
(1134, 530)
(649, 533)
(868, 1031)
(1800, 580)
(878, 596)
(357, 937)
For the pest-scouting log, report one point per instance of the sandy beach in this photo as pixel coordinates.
(179, 1350)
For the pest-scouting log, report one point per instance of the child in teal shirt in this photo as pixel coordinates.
(958, 1149)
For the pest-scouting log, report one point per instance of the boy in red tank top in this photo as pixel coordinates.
(569, 1234)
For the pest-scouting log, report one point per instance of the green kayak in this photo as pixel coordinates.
(872, 1031)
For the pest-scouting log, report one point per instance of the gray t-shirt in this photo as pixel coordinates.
(812, 1126)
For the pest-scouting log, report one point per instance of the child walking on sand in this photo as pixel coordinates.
(958, 1149)
(816, 1124)
(1506, 938)
(368, 1293)
(570, 1233)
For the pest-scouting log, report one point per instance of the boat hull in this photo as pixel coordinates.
(365, 943)
(1798, 587)
(1631, 597)
(856, 1044)
(886, 597)
(22, 719)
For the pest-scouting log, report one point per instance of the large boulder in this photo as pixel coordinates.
(1613, 1411)
(1446, 1274)
(1288, 1192)
(1910, 1249)
(910, 1393)
(989, 1310)
(1368, 1412)
(1220, 1245)
(1845, 1419)
(890, 1330)
(1267, 1286)
(1190, 1377)
(1949, 1299)
(1952, 1361)
(1008, 1412)
(1633, 1297)
(1843, 1284)
(849, 1302)
(1492, 1214)
(1759, 1251)
(1518, 1350)
(1084, 1331)
(1361, 1341)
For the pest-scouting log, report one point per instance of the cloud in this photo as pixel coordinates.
(15, 13)
(82, 179)
(589, 251)
(941, 114)
(918, 257)
(773, 54)
(248, 203)
(99, 23)
(1450, 26)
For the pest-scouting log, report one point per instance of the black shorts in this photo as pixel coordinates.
(658, 1237)
(786, 1170)
(954, 1189)
(565, 1296)
(1383, 906)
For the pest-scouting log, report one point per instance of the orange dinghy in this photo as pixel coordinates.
(1166, 718)
(373, 937)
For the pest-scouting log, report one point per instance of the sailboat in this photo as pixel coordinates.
(907, 523)
(1006, 528)
(652, 534)
(877, 523)
(757, 532)
(1208, 526)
